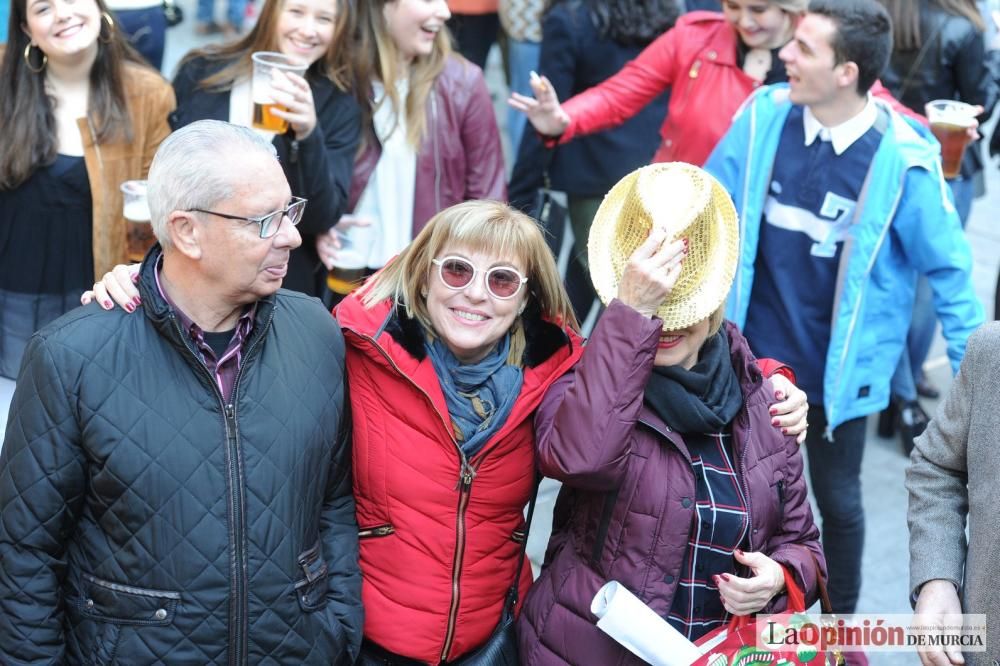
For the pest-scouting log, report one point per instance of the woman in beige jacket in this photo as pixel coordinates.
(79, 115)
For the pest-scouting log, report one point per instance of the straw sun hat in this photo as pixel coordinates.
(690, 204)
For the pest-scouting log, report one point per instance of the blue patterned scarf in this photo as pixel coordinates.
(480, 395)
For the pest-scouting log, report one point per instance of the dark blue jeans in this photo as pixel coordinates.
(835, 478)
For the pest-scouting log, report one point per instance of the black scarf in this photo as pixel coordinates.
(704, 399)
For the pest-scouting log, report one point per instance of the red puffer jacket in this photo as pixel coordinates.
(460, 157)
(696, 60)
(439, 548)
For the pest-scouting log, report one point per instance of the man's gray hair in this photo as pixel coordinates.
(192, 168)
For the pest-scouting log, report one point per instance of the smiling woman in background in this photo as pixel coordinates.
(317, 150)
(430, 134)
(80, 114)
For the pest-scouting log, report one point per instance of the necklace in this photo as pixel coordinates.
(757, 63)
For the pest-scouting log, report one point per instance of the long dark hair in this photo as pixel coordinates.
(335, 65)
(29, 138)
(906, 19)
(630, 22)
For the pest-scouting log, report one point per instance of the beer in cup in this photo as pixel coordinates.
(264, 63)
(138, 229)
(950, 123)
(351, 265)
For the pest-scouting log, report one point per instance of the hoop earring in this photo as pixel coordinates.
(111, 28)
(27, 60)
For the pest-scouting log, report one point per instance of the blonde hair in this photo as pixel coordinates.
(378, 58)
(488, 226)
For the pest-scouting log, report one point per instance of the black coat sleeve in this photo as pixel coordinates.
(319, 167)
(42, 486)
(339, 533)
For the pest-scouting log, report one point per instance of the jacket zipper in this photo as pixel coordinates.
(741, 307)
(742, 472)
(380, 531)
(467, 474)
(237, 610)
(831, 409)
(237, 637)
(456, 565)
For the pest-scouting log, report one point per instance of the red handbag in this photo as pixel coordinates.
(736, 644)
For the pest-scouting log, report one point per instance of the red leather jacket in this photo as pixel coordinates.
(696, 60)
(439, 546)
(460, 157)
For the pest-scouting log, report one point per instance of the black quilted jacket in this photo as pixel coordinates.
(144, 522)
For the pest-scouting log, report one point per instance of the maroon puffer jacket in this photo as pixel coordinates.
(460, 157)
(624, 512)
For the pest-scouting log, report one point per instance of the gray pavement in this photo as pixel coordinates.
(884, 589)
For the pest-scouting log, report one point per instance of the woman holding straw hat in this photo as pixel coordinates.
(674, 482)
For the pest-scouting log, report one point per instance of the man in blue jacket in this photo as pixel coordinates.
(841, 204)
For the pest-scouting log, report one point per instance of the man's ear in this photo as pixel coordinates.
(186, 233)
(847, 74)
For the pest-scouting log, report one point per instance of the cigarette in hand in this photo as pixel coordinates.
(535, 79)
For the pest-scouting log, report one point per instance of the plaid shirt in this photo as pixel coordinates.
(225, 367)
(720, 525)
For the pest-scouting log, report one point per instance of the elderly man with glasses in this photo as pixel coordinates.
(175, 485)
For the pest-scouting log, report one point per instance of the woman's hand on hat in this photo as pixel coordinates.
(651, 273)
(745, 596)
(543, 110)
(790, 413)
(117, 286)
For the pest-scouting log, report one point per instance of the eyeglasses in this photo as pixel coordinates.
(270, 223)
(502, 282)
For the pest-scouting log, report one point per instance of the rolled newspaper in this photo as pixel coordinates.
(633, 624)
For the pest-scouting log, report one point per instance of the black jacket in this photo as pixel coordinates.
(954, 66)
(576, 57)
(145, 522)
(318, 168)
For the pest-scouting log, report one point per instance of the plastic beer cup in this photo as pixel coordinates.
(950, 122)
(351, 265)
(264, 63)
(138, 229)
